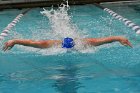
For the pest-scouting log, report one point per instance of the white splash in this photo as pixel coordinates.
(61, 22)
(62, 27)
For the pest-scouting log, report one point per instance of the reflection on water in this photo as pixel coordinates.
(67, 82)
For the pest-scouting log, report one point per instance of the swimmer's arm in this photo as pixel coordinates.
(30, 43)
(105, 40)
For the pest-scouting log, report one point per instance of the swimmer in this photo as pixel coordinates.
(66, 43)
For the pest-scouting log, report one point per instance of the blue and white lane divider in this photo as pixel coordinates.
(127, 22)
(6, 31)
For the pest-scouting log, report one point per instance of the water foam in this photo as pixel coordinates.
(61, 22)
(62, 27)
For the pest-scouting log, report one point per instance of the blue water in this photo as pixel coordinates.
(111, 68)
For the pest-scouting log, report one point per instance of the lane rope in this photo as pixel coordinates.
(7, 29)
(126, 21)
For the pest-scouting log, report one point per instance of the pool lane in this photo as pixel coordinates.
(109, 69)
(7, 16)
(130, 11)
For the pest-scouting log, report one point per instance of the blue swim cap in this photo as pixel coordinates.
(68, 43)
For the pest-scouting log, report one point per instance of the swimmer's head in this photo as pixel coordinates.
(68, 43)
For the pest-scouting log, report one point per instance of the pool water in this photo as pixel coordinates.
(130, 11)
(110, 68)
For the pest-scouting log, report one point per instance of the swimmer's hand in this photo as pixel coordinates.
(8, 45)
(125, 42)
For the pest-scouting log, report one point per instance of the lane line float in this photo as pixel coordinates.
(126, 21)
(7, 29)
